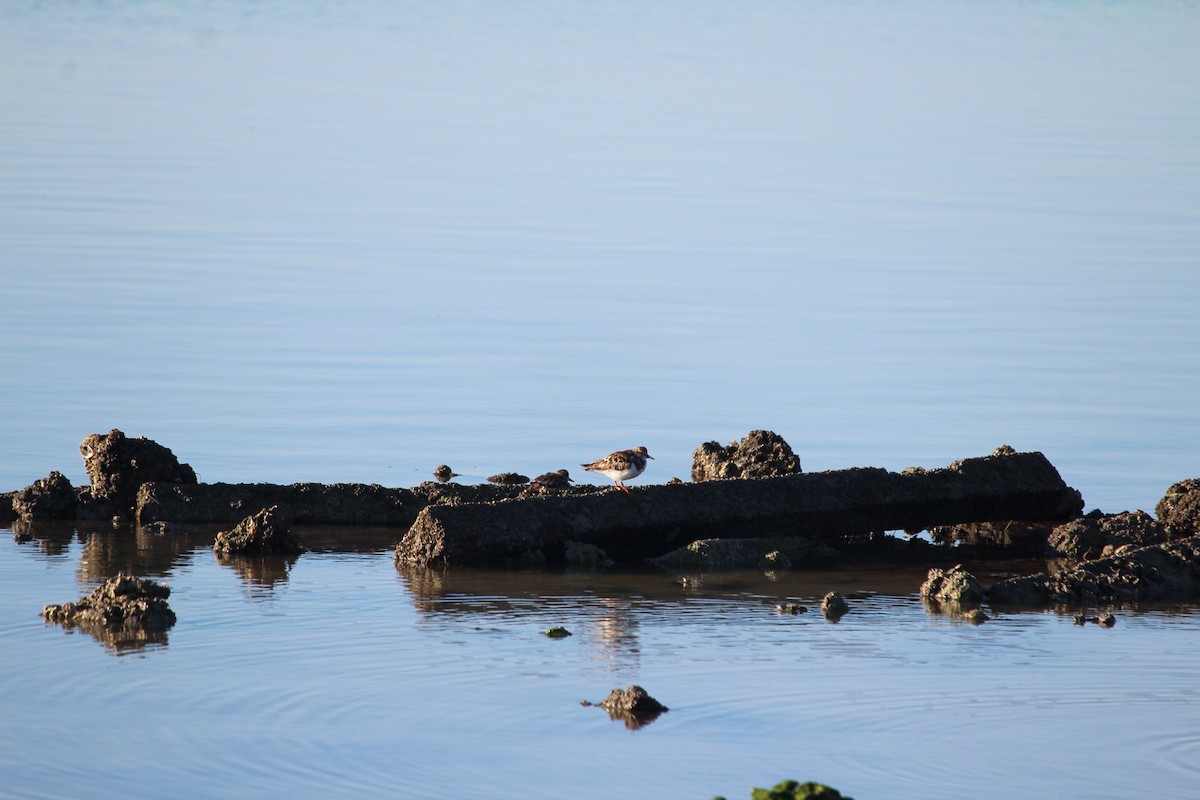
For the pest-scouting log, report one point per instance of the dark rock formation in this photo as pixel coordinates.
(954, 587)
(1163, 572)
(118, 466)
(7, 513)
(123, 602)
(834, 606)
(264, 533)
(303, 503)
(557, 632)
(656, 519)
(1097, 534)
(52, 497)
(760, 454)
(443, 473)
(1179, 509)
(634, 706)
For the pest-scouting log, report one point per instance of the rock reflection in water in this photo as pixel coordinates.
(260, 572)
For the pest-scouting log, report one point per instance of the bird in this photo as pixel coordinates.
(444, 473)
(621, 466)
(559, 479)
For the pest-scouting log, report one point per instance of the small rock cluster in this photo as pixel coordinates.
(1095, 534)
(123, 602)
(264, 533)
(633, 705)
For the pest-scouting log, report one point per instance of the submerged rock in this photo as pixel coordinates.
(794, 790)
(834, 606)
(121, 602)
(954, 587)
(51, 497)
(1097, 534)
(1179, 509)
(443, 473)
(634, 706)
(557, 632)
(759, 454)
(118, 465)
(264, 533)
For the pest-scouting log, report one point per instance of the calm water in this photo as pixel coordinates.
(349, 242)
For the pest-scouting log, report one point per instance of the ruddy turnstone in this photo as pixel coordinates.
(444, 473)
(559, 479)
(621, 466)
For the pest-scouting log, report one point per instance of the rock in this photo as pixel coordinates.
(123, 602)
(634, 706)
(7, 513)
(1091, 535)
(759, 454)
(118, 466)
(825, 505)
(264, 533)
(953, 587)
(557, 632)
(587, 556)
(1154, 573)
(763, 553)
(443, 473)
(1179, 509)
(52, 497)
(794, 790)
(833, 606)
(509, 479)
(303, 503)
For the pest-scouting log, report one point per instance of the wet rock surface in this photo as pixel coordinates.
(1024, 535)
(759, 454)
(1168, 571)
(1179, 509)
(1096, 534)
(123, 612)
(263, 533)
(118, 465)
(52, 497)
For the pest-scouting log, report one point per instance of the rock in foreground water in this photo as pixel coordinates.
(264, 533)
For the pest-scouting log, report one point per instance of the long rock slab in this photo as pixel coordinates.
(656, 519)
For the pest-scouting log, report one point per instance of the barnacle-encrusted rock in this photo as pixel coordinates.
(51, 497)
(122, 602)
(759, 454)
(1179, 509)
(1097, 534)
(118, 465)
(952, 587)
(264, 533)
(777, 552)
(508, 479)
(1169, 571)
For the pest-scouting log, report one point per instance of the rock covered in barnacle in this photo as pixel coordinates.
(1179, 509)
(51, 497)
(953, 587)
(264, 533)
(118, 465)
(1096, 534)
(633, 705)
(759, 454)
(508, 479)
(122, 602)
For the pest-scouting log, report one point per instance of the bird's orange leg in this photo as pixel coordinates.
(625, 489)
